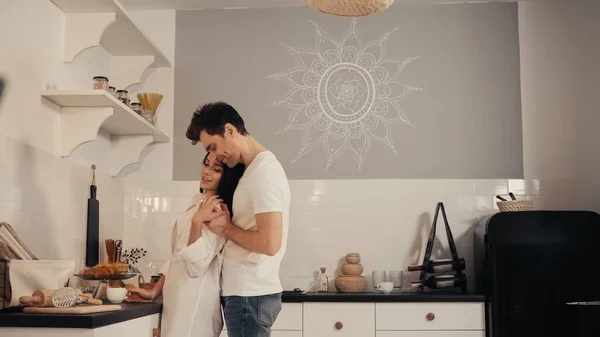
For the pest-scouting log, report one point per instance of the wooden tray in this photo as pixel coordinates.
(79, 310)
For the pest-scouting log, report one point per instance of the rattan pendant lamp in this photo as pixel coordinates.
(350, 8)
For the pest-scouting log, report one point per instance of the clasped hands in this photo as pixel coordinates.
(215, 215)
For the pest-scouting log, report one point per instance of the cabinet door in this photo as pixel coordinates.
(339, 319)
(139, 327)
(430, 334)
(430, 316)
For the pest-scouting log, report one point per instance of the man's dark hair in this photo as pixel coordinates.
(212, 117)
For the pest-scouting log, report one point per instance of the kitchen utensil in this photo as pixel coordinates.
(116, 295)
(110, 250)
(512, 196)
(500, 198)
(68, 297)
(93, 225)
(43, 298)
(80, 310)
(119, 248)
(385, 287)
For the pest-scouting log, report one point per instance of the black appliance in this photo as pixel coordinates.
(539, 271)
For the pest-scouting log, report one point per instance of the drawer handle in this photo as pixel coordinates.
(430, 316)
(339, 325)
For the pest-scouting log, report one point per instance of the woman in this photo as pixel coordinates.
(190, 280)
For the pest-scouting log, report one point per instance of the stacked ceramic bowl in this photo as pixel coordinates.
(351, 281)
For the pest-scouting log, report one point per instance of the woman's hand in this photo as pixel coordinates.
(206, 211)
(139, 295)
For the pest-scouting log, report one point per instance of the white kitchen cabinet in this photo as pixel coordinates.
(430, 334)
(339, 319)
(430, 316)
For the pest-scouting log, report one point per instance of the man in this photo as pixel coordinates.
(257, 233)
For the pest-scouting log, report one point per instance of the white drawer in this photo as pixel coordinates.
(453, 333)
(290, 318)
(357, 319)
(446, 316)
(275, 334)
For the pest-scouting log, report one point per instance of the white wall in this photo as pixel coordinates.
(44, 197)
(559, 72)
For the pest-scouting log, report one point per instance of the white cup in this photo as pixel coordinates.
(386, 287)
(116, 295)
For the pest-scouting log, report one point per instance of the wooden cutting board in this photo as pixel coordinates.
(78, 310)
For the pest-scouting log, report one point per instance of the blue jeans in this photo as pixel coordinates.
(250, 316)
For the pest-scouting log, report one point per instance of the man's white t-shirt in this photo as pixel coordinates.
(263, 188)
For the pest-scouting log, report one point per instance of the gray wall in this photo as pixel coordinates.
(453, 111)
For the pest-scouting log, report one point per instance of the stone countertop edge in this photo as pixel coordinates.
(401, 297)
(14, 317)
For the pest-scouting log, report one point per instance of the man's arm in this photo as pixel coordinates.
(265, 240)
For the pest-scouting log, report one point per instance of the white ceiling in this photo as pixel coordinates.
(233, 4)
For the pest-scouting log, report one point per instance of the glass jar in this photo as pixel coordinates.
(137, 107)
(100, 83)
(149, 116)
(113, 91)
(123, 96)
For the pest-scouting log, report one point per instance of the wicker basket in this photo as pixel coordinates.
(515, 205)
(352, 269)
(350, 284)
(352, 8)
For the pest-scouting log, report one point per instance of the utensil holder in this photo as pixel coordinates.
(515, 205)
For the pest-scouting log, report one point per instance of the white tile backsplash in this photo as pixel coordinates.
(386, 221)
(44, 198)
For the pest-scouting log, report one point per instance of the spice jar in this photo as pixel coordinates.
(100, 83)
(123, 96)
(113, 91)
(137, 107)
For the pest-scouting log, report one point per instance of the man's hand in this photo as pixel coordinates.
(205, 212)
(221, 223)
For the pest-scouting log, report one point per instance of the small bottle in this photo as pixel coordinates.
(441, 281)
(100, 83)
(123, 96)
(440, 266)
(137, 107)
(323, 281)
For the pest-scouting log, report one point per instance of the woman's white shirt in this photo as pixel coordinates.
(191, 293)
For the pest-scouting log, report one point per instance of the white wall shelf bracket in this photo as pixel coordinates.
(126, 71)
(126, 150)
(79, 125)
(83, 31)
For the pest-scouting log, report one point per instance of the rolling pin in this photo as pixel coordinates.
(43, 298)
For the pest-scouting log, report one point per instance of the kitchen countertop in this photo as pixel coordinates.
(14, 317)
(291, 297)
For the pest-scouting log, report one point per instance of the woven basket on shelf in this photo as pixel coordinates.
(515, 205)
(352, 8)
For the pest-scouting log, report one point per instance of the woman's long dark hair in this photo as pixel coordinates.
(228, 183)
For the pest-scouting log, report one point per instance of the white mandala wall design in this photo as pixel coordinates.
(343, 96)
